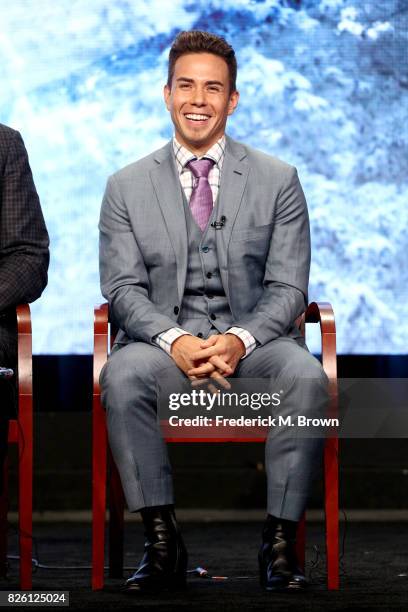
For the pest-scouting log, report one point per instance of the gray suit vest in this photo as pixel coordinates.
(204, 309)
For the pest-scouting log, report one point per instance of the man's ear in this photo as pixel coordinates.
(166, 95)
(233, 102)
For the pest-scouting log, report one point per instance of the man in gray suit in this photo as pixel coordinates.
(204, 260)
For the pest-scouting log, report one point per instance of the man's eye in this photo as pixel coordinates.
(213, 88)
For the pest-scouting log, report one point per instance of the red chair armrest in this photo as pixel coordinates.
(101, 343)
(24, 340)
(322, 313)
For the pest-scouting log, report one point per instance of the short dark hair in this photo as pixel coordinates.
(196, 41)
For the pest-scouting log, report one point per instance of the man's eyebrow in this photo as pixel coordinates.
(187, 80)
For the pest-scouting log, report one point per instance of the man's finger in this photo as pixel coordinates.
(212, 389)
(221, 365)
(208, 352)
(199, 378)
(198, 382)
(223, 382)
(210, 341)
(205, 368)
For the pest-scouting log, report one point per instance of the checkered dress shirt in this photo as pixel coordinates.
(183, 156)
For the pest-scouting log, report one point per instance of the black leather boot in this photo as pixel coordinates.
(164, 563)
(278, 566)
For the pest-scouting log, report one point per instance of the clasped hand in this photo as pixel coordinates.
(215, 358)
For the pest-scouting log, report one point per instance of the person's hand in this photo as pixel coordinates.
(217, 351)
(182, 351)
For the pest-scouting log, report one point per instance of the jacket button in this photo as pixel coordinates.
(210, 297)
(176, 310)
(209, 274)
(212, 316)
(199, 335)
(205, 249)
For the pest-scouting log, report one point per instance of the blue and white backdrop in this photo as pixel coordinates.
(324, 85)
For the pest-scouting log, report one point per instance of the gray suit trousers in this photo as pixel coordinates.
(128, 382)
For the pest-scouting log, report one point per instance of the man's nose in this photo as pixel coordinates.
(199, 98)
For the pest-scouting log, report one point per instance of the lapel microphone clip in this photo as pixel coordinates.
(219, 224)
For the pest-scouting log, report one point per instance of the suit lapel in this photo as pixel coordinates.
(167, 186)
(166, 183)
(234, 176)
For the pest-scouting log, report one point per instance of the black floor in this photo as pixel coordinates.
(374, 569)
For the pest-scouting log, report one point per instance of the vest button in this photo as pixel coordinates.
(205, 249)
(176, 310)
(209, 275)
(212, 316)
(199, 335)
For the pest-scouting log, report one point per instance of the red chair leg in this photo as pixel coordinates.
(22, 433)
(301, 542)
(25, 467)
(331, 479)
(116, 522)
(99, 464)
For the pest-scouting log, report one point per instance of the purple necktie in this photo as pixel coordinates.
(201, 201)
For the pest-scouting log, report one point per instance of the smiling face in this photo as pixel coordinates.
(199, 100)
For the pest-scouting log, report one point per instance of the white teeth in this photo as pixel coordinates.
(196, 117)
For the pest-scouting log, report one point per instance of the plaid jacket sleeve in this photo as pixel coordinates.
(24, 253)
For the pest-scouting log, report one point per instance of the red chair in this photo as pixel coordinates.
(21, 433)
(103, 339)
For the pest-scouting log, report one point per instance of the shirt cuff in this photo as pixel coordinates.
(166, 338)
(247, 338)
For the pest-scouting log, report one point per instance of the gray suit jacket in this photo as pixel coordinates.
(23, 238)
(23, 256)
(263, 249)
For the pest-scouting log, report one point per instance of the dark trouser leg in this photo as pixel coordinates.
(8, 393)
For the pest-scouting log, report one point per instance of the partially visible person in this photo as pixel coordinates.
(24, 258)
